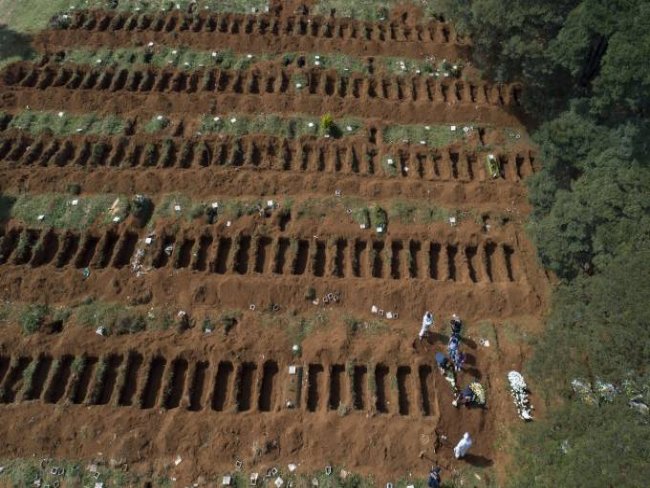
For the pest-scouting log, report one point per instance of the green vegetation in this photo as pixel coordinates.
(64, 124)
(326, 124)
(32, 318)
(187, 59)
(120, 319)
(21, 472)
(418, 212)
(69, 212)
(164, 57)
(373, 10)
(156, 124)
(389, 165)
(24, 17)
(181, 206)
(14, 46)
(586, 84)
(60, 211)
(435, 135)
(241, 6)
(275, 125)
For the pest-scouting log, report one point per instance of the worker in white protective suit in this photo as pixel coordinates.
(463, 446)
(427, 323)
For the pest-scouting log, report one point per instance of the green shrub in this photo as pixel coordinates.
(129, 324)
(142, 208)
(326, 124)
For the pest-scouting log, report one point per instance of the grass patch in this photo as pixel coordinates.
(64, 124)
(274, 125)
(484, 330)
(372, 10)
(240, 6)
(21, 472)
(405, 66)
(32, 317)
(434, 136)
(181, 206)
(164, 57)
(418, 212)
(300, 328)
(389, 165)
(119, 319)
(173, 206)
(190, 60)
(157, 123)
(60, 211)
(516, 334)
(342, 63)
(30, 15)
(355, 325)
(315, 208)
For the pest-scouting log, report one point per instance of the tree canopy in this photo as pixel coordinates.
(586, 75)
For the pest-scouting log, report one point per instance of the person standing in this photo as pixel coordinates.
(452, 346)
(434, 478)
(463, 446)
(442, 362)
(458, 358)
(456, 325)
(427, 323)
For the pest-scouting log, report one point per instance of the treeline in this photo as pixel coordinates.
(586, 69)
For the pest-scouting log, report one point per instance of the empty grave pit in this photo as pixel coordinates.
(395, 89)
(256, 152)
(206, 385)
(264, 26)
(242, 254)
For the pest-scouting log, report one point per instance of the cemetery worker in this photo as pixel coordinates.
(434, 478)
(456, 325)
(442, 362)
(458, 358)
(452, 346)
(465, 397)
(463, 446)
(427, 323)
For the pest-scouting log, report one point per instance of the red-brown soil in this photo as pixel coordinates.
(406, 100)
(266, 165)
(215, 398)
(258, 34)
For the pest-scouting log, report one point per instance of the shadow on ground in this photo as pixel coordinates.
(14, 45)
(478, 461)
